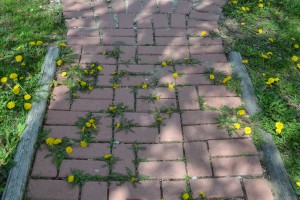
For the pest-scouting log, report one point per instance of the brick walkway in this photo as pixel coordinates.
(188, 143)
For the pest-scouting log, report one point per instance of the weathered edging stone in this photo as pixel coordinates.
(280, 182)
(17, 179)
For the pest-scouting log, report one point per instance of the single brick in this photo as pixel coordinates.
(92, 151)
(180, 52)
(76, 6)
(96, 58)
(160, 21)
(100, 7)
(132, 80)
(154, 50)
(104, 80)
(143, 20)
(107, 21)
(125, 21)
(168, 151)
(146, 190)
(125, 96)
(194, 79)
(104, 132)
(178, 21)
(214, 91)
(118, 6)
(63, 117)
(231, 147)
(170, 130)
(223, 101)
(90, 105)
(188, 70)
(144, 36)
(137, 68)
(199, 117)
(204, 132)
(210, 57)
(96, 49)
(118, 33)
(165, 6)
(143, 106)
(73, 32)
(208, 8)
(119, 41)
(59, 103)
(83, 40)
(94, 190)
(217, 187)
(134, 6)
(164, 93)
(197, 159)
(173, 189)
(149, 6)
(98, 93)
(81, 23)
(170, 32)
(163, 170)
(200, 41)
(138, 134)
(143, 119)
(78, 14)
(203, 25)
(89, 166)
(56, 189)
(204, 16)
(184, 7)
(188, 98)
(126, 154)
(167, 78)
(237, 166)
(258, 189)
(62, 131)
(43, 166)
(213, 49)
(171, 41)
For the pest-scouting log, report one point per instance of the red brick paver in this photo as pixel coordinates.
(186, 142)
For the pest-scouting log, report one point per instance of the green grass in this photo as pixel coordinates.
(22, 22)
(279, 101)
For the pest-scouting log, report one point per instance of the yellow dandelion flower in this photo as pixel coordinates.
(57, 141)
(83, 83)
(85, 71)
(16, 89)
(212, 77)
(278, 130)
(170, 86)
(23, 64)
(270, 81)
(107, 156)
(247, 130)
(164, 64)
(50, 141)
(63, 74)
(186, 59)
(104, 53)
(295, 58)
(296, 46)
(298, 65)
(175, 75)
(202, 194)
(19, 58)
(39, 43)
(27, 106)
(59, 62)
(71, 179)
(276, 79)
(244, 9)
(261, 5)
(62, 44)
(298, 183)
(27, 97)
(88, 124)
(203, 33)
(112, 108)
(279, 125)
(264, 56)
(10, 105)
(92, 121)
(115, 86)
(83, 144)
(241, 112)
(133, 180)
(92, 65)
(234, 2)
(271, 39)
(276, 13)
(69, 150)
(3, 79)
(185, 196)
(260, 31)
(245, 61)
(227, 79)
(243, 23)
(269, 53)
(19, 48)
(144, 86)
(118, 125)
(159, 119)
(32, 43)
(91, 87)
(237, 125)
(100, 68)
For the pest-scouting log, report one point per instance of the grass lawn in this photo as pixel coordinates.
(26, 29)
(267, 34)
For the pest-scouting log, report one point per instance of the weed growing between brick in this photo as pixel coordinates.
(267, 35)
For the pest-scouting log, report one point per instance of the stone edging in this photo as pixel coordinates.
(280, 181)
(17, 179)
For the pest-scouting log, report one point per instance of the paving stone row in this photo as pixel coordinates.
(187, 143)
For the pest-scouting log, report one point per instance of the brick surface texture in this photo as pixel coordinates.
(167, 128)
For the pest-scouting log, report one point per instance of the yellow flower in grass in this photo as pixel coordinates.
(234, 2)
(50, 141)
(85, 71)
(171, 86)
(270, 81)
(279, 125)
(298, 65)
(271, 39)
(269, 3)
(64, 74)
(59, 62)
(212, 77)
(175, 75)
(244, 8)
(269, 53)
(107, 156)
(62, 44)
(27, 106)
(245, 61)
(71, 179)
(118, 125)
(39, 43)
(247, 130)
(92, 65)
(261, 5)
(228, 78)
(159, 119)
(276, 13)
(264, 56)
(32, 43)
(100, 68)
(27, 97)
(16, 89)
(278, 130)
(82, 83)
(83, 144)
(23, 64)
(260, 31)
(144, 86)
(57, 141)
(164, 64)
(10, 105)
(294, 39)
(203, 33)
(115, 86)
(185, 196)
(298, 183)
(241, 112)
(237, 125)
(69, 150)
(296, 46)
(3, 79)
(243, 23)
(19, 58)
(295, 58)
